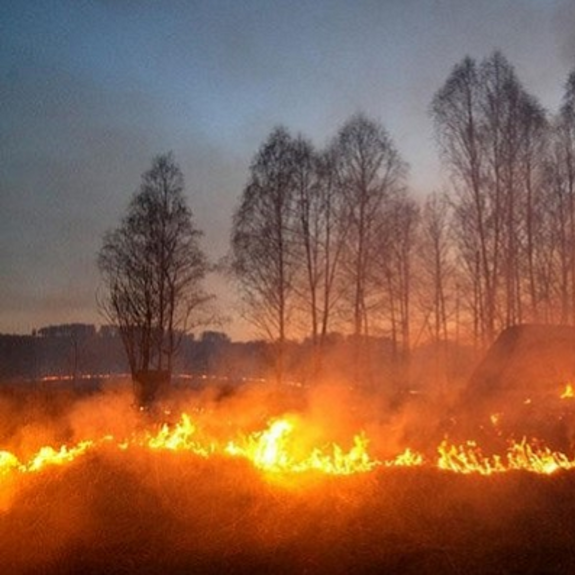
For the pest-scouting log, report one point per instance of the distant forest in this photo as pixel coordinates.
(83, 354)
(77, 351)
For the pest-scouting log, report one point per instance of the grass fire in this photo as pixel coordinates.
(277, 479)
(277, 450)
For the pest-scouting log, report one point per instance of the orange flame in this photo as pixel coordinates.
(8, 462)
(49, 456)
(273, 451)
(568, 392)
(408, 458)
(520, 456)
(495, 419)
(278, 449)
(179, 438)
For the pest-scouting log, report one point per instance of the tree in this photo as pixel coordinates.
(490, 131)
(435, 264)
(397, 244)
(562, 178)
(264, 246)
(152, 268)
(370, 179)
(533, 168)
(436, 275)
(370, 175)
(320, 233)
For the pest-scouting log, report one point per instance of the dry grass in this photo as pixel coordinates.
(143, 512)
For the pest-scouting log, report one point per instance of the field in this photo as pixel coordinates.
(171, 511)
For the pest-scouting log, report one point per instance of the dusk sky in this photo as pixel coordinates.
(91, 91)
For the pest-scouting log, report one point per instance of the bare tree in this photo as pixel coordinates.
(562, 190)
(264, 247)
(533, 167)
(152, 268)
(370, 176)
(394, 273)
(437, 281)
(436, 265)
(456, 113)
(490, 130)
(320, 231)
(394, 265)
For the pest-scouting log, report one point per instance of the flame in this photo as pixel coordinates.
(495, 419)
(8, 462)
(49, 456)
(468, 458)
(568, 392)
(280, 448)
(177, 439)
(408, 458)
(273, 450)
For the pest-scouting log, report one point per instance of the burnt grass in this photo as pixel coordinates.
(144, 512)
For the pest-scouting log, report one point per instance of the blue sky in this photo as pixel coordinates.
(90, 91)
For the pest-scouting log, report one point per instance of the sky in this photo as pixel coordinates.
(92, 90)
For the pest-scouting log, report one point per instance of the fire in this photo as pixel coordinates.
(281, 448)
(274, 450)
(8, 462)
(49, 456)
(179, 438)
(495, 419)
(568, 392)
(523, 456)
(408, 458)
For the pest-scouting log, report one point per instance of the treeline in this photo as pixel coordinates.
(332, 240)
(79, 351)
(87, 356)
(65, 350)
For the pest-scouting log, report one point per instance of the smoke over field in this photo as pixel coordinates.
(225, 488)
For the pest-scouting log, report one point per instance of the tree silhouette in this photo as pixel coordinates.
(152, 268)
(263, 240)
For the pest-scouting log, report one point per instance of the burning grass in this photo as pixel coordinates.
(229, 487)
